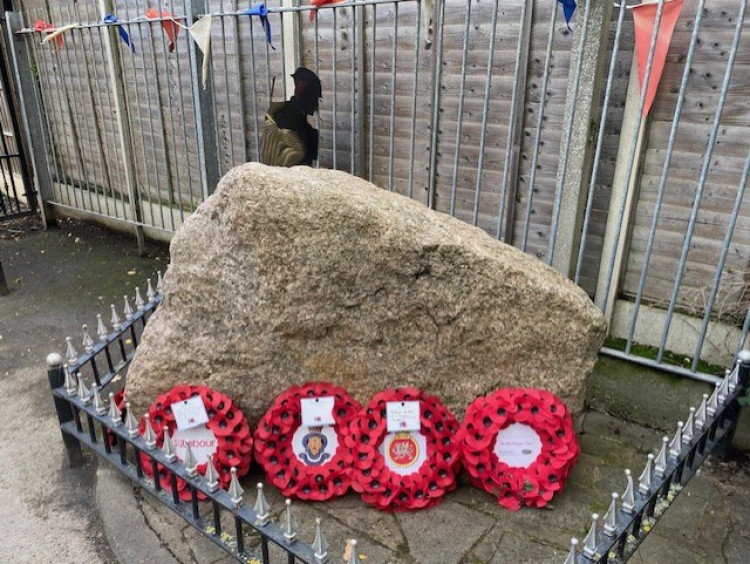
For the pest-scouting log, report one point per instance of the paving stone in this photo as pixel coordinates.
(701, 527)
(737, 548)
(337, 530)
(710, 515)
(657, 549)
(382, 527)
(631, 436)
(444, 533)
(201, 549)
(519, 549)
(168, 527)
(486, 547)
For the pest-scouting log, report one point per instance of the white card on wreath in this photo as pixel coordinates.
(403, 416)
(189, 413)
(317, 412)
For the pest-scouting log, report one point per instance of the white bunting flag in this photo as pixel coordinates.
(201, 33)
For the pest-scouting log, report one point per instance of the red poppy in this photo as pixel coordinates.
(514, 474)
(378, 454)
(306, 462)
(234, 439)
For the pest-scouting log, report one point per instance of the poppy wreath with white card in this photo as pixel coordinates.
(225, 434)
(299, 441)
(519, 445)
(405, 456)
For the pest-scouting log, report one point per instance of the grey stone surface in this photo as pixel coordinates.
(516, 547)
(737, 548)
(289, 275)
(129, 535)
(58, 280)
(667, 551)
(444, 534)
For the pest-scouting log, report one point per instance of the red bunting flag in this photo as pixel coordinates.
(171, 27)
(644, 17)
(40, 26)
(318, 4)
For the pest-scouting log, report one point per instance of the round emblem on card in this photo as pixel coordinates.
(402, 450)
(314, 446)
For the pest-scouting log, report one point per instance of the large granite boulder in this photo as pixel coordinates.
(289, 275)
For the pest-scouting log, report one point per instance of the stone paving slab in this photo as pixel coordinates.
(703, 525)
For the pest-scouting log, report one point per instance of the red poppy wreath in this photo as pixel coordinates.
(303, 454)
(403, 469)
(226, 435)
(519, 444)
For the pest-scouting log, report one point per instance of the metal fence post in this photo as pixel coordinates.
(56, 375)
(123, 131)
(437, 73)
(203, 101)
(585, 79)
(20, 58)
(290, 48)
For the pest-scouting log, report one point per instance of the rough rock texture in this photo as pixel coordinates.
(289, 275)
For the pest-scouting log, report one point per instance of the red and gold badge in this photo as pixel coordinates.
(402, 451)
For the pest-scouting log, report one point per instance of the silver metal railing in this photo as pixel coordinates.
(501, 117)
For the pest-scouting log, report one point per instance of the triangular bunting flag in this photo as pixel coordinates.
(569, 6)
(111, 19)
(200, 31)
(171, 27)
(40, 26)
(261, 12)
(56, 35)
(318, 4)
(644, 18)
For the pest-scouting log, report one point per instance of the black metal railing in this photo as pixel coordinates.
(87, 419)
(17, 192)
(708, 429)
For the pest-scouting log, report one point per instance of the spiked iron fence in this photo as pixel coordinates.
(87, 420)
(709, 429)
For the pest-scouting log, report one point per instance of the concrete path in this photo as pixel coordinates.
(62, 278)
(58, 280)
